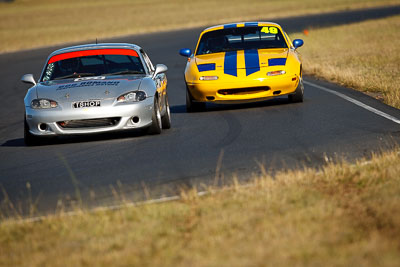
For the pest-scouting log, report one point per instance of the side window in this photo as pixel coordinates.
(148, 61)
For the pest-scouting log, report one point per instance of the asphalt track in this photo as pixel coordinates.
(201, 148)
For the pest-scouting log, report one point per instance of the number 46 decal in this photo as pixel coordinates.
(272, 30)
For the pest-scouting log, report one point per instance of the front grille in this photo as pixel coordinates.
(243, 91)
(90, 123)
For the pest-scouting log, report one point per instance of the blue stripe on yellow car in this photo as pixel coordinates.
(251, 24)
(226, 26)
(252, 61)
(230, 63)
(206, 67)
(277, 62)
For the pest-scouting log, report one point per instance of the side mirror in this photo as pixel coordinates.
(186, 52)
(28, 78)
(160, 68)
(297, 43)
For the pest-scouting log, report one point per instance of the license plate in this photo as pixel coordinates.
(86, 104)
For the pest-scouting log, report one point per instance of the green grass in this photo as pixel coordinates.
(364, 56)
(344, 215)
(35, 23)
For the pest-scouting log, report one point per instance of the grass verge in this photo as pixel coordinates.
(343, 215)
(34, 23)
(364, 56)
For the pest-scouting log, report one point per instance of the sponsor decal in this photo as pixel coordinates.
(87, 84)
(86, 104)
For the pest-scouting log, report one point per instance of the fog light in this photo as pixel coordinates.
(42, 126)
(135, 119)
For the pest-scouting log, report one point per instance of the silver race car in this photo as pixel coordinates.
(96, 88)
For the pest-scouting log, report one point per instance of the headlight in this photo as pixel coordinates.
(132, 97)
(276, 72)
(208, 78)
(43, 103)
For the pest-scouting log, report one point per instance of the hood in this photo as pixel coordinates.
(251, 60)
(80, 89)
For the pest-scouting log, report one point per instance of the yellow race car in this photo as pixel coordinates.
(242, 62)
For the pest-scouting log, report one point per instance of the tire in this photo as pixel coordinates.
(30, 139)
(298, 95)
(166, 119)
(156, 126)
(192, 106)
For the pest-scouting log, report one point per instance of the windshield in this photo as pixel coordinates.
(93, 63)
(241, 38)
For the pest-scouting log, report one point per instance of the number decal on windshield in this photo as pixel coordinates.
(272, 30)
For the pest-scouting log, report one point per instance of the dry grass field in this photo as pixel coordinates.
(364, 56)
(34, 23)
(343, 215)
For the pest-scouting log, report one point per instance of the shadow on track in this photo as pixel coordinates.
(18, 142)
(211, 107)
(178, 109)
(60, 140)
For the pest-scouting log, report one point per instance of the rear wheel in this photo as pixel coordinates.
(298, 94)
(192, 106)
(156, 126)
(166, 119)
(30, 139)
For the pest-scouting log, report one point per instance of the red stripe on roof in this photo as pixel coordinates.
(95, 52)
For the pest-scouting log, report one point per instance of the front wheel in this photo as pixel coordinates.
(166, 119)
(192, 106)
(156, 126)
(298, 94)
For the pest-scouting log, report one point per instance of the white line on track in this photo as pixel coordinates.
(356, 102)
(112, 207)
(120, 206)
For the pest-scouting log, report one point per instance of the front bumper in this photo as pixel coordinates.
(45, 122)
(210, 91)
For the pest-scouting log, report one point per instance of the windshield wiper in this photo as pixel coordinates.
(124, 72)
(75, 75)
